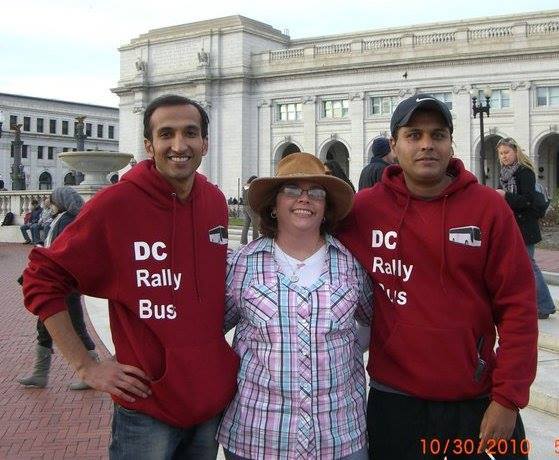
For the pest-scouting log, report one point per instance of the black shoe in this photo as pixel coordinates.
(26, 242)
(543, 315)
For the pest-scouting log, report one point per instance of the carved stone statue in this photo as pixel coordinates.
(203, 57)
(141, 65)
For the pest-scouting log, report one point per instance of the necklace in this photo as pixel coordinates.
(294, 268)
(294, 277)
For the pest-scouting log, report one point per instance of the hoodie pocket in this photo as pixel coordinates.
(198, 382)
(431, 363)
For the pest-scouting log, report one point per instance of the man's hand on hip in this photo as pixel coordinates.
(117, 379)
(498, 423)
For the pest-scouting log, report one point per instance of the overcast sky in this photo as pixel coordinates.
(67, 49)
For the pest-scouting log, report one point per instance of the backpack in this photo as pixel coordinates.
(8, 219)
(541, 201)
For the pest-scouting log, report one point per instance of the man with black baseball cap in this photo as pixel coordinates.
(406, 109)
(450, 268)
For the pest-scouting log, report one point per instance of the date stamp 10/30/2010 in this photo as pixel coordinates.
(435, 446)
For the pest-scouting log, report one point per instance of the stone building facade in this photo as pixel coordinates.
(47, 130)
(268, 95)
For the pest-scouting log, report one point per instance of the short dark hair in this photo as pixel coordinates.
(171, 100)
(269, 225)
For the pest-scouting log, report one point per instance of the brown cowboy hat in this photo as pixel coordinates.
(303, 167)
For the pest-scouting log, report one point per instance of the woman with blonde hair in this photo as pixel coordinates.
(294, 295)
(518, 188)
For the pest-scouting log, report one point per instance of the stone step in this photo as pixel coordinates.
(541, 432)
(11, 234)
(551, 278)
(544, 393)
(549, 330)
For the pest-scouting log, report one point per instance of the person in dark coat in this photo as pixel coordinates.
(333, 168)
(66, 203)
(381, 159)
(518, 187)
(32, 224)
(251, 218)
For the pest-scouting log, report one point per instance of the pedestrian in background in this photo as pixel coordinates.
(65, 204)
(518, 187)
(333, 168)
(383, 156)
(32, 224)
(251, 218)
(45, 221)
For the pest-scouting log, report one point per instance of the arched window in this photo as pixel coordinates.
(45, 181)
(289, 149)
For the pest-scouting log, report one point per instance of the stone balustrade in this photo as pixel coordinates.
(418, 38)
(19, 202)
(490, 33)
(335, 48)
(391, 42)
(551, 27)
(293, 53)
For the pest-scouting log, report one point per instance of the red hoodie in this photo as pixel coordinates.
(161, 263)
(447, 271)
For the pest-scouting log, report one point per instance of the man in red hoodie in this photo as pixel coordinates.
(154, 245)
(450, 269)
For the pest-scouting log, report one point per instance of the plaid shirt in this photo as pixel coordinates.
(301, 385)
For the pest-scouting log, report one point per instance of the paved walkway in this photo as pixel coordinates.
(36, 423)
(56, 422)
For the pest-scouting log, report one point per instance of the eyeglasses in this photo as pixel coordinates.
(314, 193)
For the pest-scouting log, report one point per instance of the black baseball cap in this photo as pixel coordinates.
(407, 108)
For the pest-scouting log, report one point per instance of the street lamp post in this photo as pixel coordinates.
(18, 175)
(481, 109)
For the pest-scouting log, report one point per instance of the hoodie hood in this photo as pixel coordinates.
(146, 177)
(67, 199)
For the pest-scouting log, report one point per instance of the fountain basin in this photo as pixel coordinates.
(95, 165)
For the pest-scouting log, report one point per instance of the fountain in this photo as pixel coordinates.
(94, 164)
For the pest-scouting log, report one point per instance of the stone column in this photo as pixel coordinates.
(462, 121)
(520, 102)
(309, 124)
(138, 108)
(357, 155)
(265, 146)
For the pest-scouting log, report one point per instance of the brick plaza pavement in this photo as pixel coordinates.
(42, 423)
(56, 422)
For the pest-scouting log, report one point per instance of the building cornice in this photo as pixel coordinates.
(58, 101)
(225, 25)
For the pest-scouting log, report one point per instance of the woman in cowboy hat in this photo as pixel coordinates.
(294, 295)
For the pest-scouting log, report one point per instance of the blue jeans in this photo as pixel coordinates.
(544, 299)
(35, 237)
(138, 436)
